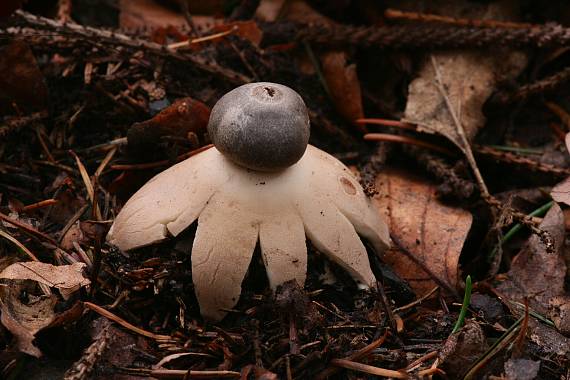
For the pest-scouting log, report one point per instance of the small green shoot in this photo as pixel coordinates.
(466, 302)
(517, 227)
(517, 149)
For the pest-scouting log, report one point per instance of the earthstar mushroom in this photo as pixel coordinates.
(261, 182)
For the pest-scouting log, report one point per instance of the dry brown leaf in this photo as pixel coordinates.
(269, 10)
(561, 192)
(560, 313)
(247, 30)
(25, 320)
(340, 76)
(22, 83)
(139, 14)
(536, 273)
(184, 116)
(462, 349)
(432, 231)
(343, 84)
(521, 369)
(468, 77)
(66, 278)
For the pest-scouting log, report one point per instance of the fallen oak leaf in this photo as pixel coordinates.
(66, 278)
(432, 231)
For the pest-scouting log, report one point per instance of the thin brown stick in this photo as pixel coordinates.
(190, 374)
(343, 363)
(112, 38)
(416, 302)
(406, 140)
(387, 123)
(460, 131)
(360, 354)
(17, 243)
(107, 314)
(28, 229)
(40, 204)
(215, 36)
(108, 157)
(420, 360)
(395, 14)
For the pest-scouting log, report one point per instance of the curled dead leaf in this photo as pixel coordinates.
(343, 84)
(181, 118)
(66, 278)
(25, 320)
(462, 349)
(245, 29)
(536, 273)
(432, 231)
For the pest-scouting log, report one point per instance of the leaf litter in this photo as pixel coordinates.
(69, 87)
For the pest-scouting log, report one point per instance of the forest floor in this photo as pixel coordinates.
(455, 115)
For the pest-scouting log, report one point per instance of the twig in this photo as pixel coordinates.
(17, 243)
(501, 343)
(416, 302)
(529, 163)
(107, 314)
(541, 86)
(119, 39)
(343, 363)
(406, 140)
(387, 123)
(413, 36)
(460, 131)
(14, 124)
(38, 205)
(386, 305)
(190, 374)
(81, 369)
(395, 14)
(28, 229)
(360, 354)
(451, 183)
(370, 169)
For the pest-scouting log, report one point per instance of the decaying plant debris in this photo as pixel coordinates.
(454, 114)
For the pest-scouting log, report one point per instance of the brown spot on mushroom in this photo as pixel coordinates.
(347, 186)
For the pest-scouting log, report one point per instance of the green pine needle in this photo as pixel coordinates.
(466, 302)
